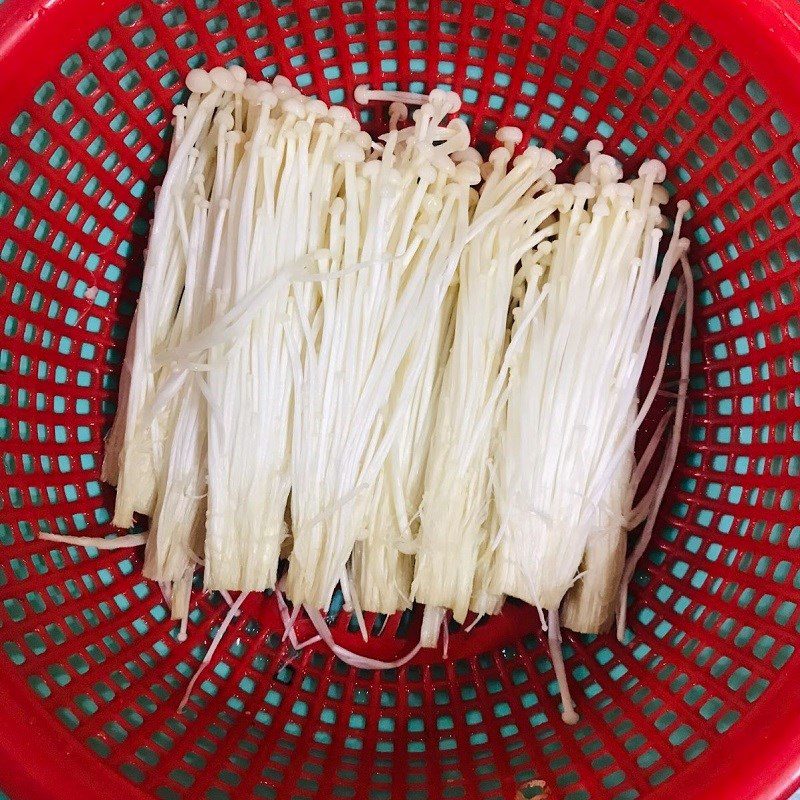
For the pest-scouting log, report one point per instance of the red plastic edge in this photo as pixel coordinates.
(747, 768)
(26, 61)
(50, 751)
(769, 31)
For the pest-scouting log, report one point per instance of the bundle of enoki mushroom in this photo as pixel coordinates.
(392, 369)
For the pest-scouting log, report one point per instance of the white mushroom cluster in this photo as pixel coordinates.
(390, 367)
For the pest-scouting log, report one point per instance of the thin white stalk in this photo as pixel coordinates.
(557, 657)
(98, 542)
(670, 456)
(348, 656)
(215, 642)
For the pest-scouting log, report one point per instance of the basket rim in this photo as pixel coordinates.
(32, 41)
(31, 47)
(28, 728)
(751, 761)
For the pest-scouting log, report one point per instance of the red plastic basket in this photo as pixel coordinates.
(702, 702)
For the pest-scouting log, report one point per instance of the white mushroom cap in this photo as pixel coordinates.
(593, 148)
(284, 91)
(460, 138)
(468, 172)
(339, 114)
(238, 72)
(653, 168)
(316, 107)
(468, 154)
(294, 106)
(509, 135)
(449, 102)
(499, 155)
(362, 94)
(363, 140)
(349, 152)
(584, 191)
(198, 80)
(224, 79)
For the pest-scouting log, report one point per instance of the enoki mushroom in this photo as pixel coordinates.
(396, 366)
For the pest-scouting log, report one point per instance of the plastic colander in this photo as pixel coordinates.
(702, 701)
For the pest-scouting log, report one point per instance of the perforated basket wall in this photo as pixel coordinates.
(701, 702)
